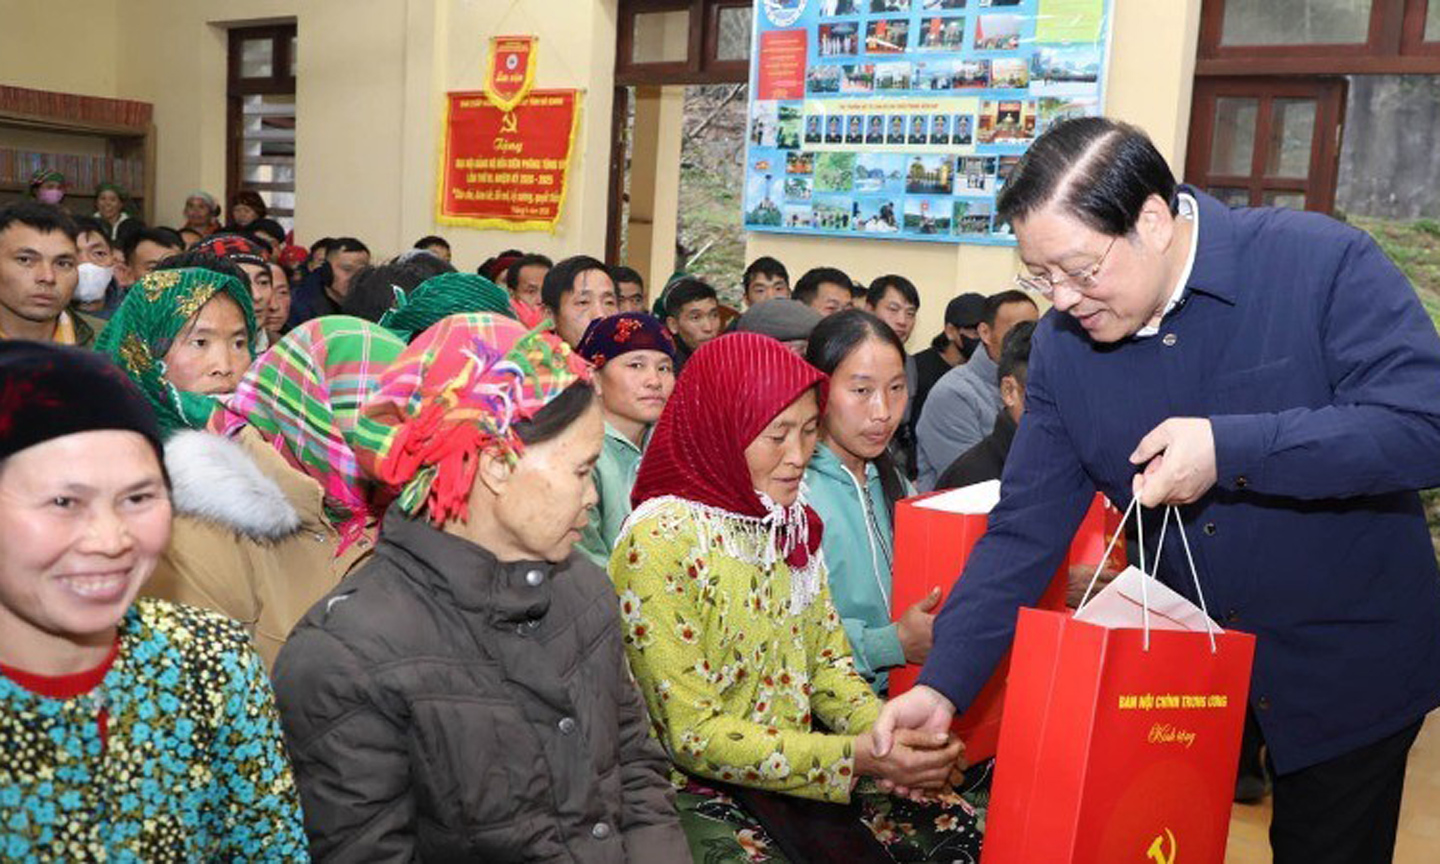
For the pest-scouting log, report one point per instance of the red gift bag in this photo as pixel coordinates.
(931, 548)
(1122, 732)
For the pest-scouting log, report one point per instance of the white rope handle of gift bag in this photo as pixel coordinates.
(1151, 574)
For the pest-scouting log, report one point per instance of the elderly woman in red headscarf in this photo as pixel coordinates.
(737, 648)
(463, 695)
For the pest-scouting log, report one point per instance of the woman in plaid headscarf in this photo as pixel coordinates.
(475, 631)
(185, 336)
(271, 507)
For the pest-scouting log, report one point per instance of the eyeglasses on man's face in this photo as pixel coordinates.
(1080, 280)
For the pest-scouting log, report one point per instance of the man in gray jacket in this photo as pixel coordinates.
(961, 408)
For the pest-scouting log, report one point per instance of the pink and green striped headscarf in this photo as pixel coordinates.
(456, 391)
(304, 397)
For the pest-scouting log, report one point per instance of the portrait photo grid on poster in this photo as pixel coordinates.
(904, 118)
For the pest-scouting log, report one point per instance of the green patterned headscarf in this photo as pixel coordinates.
(441, 296)
(152, 314)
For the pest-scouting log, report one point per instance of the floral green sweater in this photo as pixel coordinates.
(192, 768)
(733, 675)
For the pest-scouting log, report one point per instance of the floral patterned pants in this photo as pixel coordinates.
(950, 829)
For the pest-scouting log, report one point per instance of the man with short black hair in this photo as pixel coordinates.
(824, 289)
(765, 279)
(145, 247)
(38, 273)
(525, 277)
(692, 315)
(893, 299)
(575, 292)
(986, 460)
(435, 245)
(100, 275)
(324, 289)
(961, 408)
(1271, 374)
(629, 289)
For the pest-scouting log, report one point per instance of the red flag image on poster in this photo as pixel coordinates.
(512, 70)
(506, 169)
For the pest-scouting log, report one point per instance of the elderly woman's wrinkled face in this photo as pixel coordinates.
(212, 351)
(540, 506)
(83, 520)
(778, 455)
(198, 211)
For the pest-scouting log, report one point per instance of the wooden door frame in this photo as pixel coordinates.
(701, 66)
(1320, 185)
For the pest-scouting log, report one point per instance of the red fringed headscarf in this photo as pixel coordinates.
(729, 392)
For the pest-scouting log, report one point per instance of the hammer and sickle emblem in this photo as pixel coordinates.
(1157, 848)
(508, 123)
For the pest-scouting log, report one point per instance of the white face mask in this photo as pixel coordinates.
(94, 279)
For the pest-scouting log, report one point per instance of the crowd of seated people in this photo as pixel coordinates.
(295, 521)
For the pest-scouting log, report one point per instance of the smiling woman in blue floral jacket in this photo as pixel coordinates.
(131, 731)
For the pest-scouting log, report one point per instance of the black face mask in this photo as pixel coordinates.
(967, 345)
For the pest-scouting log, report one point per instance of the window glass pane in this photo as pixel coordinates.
(661, 37)
(1292, 129)
(1233, 144)
(257, 58)
(294, 43)
(1432, 21)
(733, 41)
(1231, 196)
(1295, 22)
(1293, 200)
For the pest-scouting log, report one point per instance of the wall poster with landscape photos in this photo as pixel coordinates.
(904, 118)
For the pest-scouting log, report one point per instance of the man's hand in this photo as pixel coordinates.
(918, 761)
(920, 707)
(1181, 457)
(916, 627)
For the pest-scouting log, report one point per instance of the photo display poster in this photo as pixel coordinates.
(903, 118)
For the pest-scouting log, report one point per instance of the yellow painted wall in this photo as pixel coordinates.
(1152, 65)
(72, 46)
(371, 79)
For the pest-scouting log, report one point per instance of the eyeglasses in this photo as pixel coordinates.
(1083, 280)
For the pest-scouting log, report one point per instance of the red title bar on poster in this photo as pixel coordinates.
(507, 169)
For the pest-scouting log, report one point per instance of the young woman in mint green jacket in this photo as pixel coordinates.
(634, 360)
(853, 484)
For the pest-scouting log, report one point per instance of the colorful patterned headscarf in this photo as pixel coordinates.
(304, 397)
(441, 296)
(609, 337)
(152, 314)
(732, 388)
(458, 389)
(43, 176)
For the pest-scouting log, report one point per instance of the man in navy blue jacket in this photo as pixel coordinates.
(1272, 372)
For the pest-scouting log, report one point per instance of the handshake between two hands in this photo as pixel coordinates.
(919, 763)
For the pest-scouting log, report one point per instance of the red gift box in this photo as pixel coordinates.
(931, 548)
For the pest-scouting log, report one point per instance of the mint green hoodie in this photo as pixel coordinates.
(615, 472)
(858, 544)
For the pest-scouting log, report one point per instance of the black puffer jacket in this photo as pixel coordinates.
(442, 706)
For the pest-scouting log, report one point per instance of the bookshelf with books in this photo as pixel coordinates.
(89, 139)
